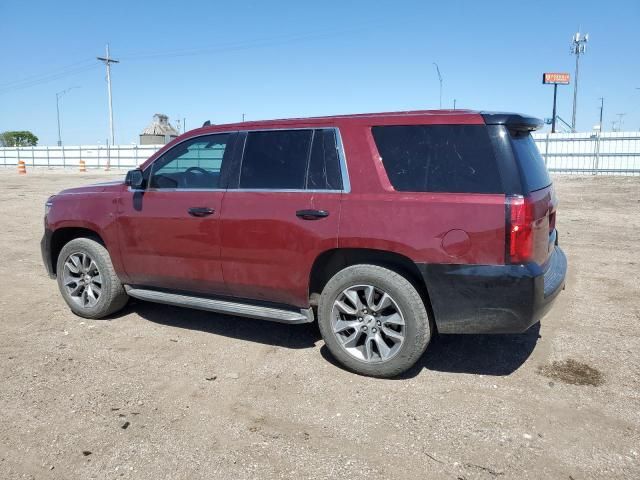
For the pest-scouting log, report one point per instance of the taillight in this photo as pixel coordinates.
(519, 229)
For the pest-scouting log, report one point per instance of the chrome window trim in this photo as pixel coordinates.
(344, 171)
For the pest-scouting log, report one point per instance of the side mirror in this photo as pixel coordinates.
(134, 178)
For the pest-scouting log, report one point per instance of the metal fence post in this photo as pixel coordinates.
(597, 157)
(546, 150)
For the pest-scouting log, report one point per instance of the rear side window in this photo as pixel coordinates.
(534, 171)
(439, 158)
(275, 159)
(324, 164)
(291, 160)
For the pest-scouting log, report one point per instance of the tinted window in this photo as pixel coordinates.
(439, 158)
(324, 164)
(275, 159)
(195, 163)
(531, 162)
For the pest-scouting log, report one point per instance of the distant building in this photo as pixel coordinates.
(159, 131)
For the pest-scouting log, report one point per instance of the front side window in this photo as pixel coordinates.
(439, 158)
(195, 163)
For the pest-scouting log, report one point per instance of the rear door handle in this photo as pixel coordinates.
(200, 211)
(312, 214)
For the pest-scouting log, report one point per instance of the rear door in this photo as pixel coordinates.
(170, 230)
(280, 212)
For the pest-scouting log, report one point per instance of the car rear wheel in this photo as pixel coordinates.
(373, 320)
(87, 279)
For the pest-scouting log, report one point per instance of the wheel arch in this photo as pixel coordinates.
(62, 236)
(330, 262)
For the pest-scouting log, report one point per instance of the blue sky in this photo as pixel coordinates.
(212, 60)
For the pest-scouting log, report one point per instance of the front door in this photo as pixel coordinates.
(281, 213)
(170, 230)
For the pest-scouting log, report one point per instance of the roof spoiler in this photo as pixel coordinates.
(513, 121)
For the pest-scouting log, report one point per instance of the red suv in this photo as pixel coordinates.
(383, 227)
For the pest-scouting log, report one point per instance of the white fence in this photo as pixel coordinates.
(95, 156)
(608, 153)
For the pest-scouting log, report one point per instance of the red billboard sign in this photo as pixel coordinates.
(554, 77)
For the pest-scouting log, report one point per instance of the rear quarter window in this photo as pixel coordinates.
(534, 171)
(439, 158)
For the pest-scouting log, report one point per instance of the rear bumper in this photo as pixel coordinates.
(45, 250)
(493, 298)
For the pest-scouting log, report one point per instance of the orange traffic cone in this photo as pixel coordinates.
(22, 167)
(83, 166)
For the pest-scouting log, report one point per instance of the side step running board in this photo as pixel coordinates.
(304, 315)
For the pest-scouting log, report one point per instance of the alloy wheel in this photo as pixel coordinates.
(368, 323)
(82, 279)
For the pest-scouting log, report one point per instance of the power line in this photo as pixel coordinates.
(245, 44)
(39, 76)
(47, 79)
(82, 65)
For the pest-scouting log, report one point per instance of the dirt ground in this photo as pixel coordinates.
(160, 392)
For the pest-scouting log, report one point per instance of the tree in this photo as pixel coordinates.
(22, 138)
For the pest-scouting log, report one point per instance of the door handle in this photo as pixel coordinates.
(200, 211)
(312, 214)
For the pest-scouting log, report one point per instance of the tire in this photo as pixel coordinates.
(337, 303)
(97, 291)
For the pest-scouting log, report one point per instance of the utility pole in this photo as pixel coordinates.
(440, 79)
(108, 61)
(578, 47)
(59, 95)
(620, 115)
(601, 109)
(454, 103)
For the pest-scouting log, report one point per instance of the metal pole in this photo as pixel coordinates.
(555, 96)
(546, 150)
(601, 109)
(108, 156)
(575, 93)
(440, 79)
(58, 113)
(578, 47)
(110, 101)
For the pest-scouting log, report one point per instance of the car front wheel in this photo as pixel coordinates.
(87, 279)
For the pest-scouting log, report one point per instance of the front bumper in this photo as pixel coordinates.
(493, 298)
(45, 250)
